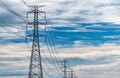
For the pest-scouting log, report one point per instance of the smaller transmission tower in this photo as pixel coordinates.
(35, 68)
(65, 69)
(71, 74)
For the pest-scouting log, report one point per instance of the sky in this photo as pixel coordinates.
(85, 32)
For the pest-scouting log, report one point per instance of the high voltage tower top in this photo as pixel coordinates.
(35, 68)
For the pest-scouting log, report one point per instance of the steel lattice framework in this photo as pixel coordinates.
(35, 68)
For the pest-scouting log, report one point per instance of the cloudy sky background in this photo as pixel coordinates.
(85, 32)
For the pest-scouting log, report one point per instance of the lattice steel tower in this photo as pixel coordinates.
(65, 69)
(35, 68)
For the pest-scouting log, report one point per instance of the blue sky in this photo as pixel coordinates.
(85, 32)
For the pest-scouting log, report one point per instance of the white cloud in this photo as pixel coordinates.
(71, 12)
(87, 52)
(99, 66)
(112, 37)
(91, 52)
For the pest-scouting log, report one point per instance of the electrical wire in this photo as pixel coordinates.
(56, 65)
(47, 74)
(51, 62)
(24, 3)
(10, 10)
(46, 63)
(51, 41)
(16, 33)
(51, 54)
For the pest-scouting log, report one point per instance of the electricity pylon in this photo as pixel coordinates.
(71, 74)
(35, 68)
(65, 69)
(67, 73)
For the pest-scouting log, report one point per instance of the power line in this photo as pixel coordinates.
(24, 3)
(51, 62)
(16, 33)
(51, 41)
(10, 10)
